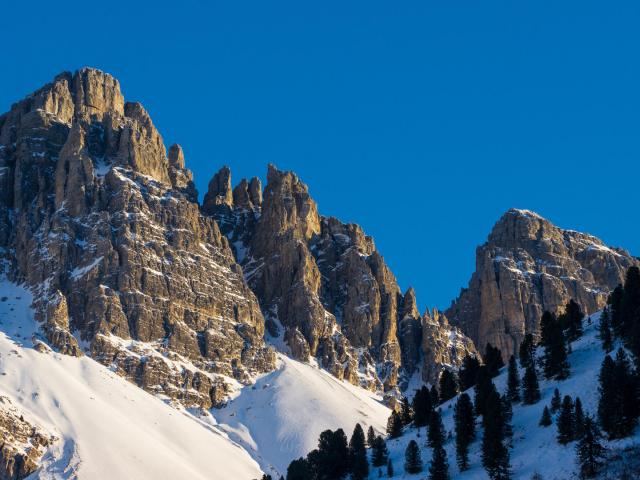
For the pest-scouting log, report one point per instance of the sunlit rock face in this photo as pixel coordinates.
(527, 266)
(105, 228)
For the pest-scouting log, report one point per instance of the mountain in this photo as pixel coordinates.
(534, 448)
(527, 266)
(325, 289)
(104, 226)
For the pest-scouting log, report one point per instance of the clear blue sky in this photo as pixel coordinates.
(422, 121)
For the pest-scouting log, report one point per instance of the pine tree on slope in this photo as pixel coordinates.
(483, 388)
(422, 407)
(555, 350)
(465, 427)
(578, 419)
(605, 331)
(379, 453)
(527, 351)
(359, 466)
(513, 381)
(531, 389)
(394, 425)
(495, 454)
(439, 466)
(589, 450)
(615, 304)
(545, 420)
(448, 385)
(412, 459)
(468, 372)
(565, 421)
(435, 396)
(299, 470)
(556, 401)
(493, 360)
(389, 468)
(405, 412)
(435, 434)
(371, 436)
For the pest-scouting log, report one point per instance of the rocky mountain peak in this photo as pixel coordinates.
(105, 229)
(529, 265)
(219, 193)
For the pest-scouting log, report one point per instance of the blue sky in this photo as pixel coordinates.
(421, 121)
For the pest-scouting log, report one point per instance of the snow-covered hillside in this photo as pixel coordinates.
(107, 427)
(110, 428)
(535, 448)
(280, 418)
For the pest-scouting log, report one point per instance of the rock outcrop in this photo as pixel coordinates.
(22, 444)
(324, 289)
(527, 266)
(105, 228)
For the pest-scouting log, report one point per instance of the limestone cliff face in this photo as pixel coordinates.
(324, 289)
(527, 266)
(105, 228)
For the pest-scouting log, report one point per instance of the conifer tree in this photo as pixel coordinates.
(389, 468)
(379, 452)
(608, 403)
(439, 466)
(359, 466)
(495, 454)
(266, 477)
(615, 307)
(589, 450)
(545, 420)
(571, 321)
(507, 414)
(435, 396)
(299, 469)
(422, 407)
(578, 419)
(565, 421)
(448, 385)
(435, 434)
(331, 459)
(493, 360)
(483, 388)
(556, 401)
(555, 350)
(406, 413)
(527, 351)
(530, 387)
(394, 425)
(547, 328)
(618, 404)
(513, 381)
(412, 459)
(465, 426)
(468, 372)
(630, 303)
(605, 331)
(371, 436)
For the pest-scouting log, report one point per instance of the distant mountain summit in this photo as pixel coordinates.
(527, 266)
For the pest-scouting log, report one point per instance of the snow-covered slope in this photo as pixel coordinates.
(535, 448)
(107, 427)
(280, 418)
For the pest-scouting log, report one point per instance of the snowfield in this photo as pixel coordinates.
(107, 427)
(534, 448)
(281, 417)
